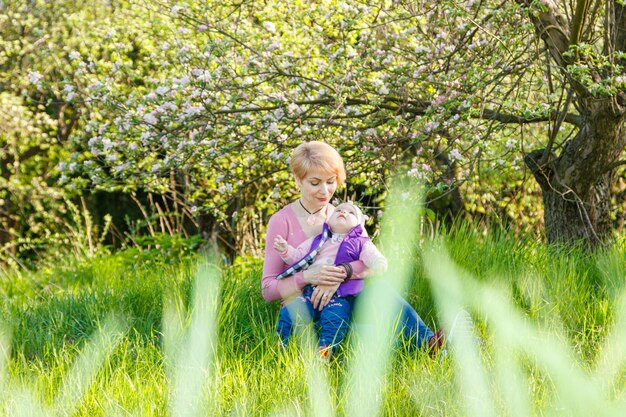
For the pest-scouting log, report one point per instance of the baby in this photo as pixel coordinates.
(343, 240)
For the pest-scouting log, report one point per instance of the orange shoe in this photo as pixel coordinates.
(325, 352)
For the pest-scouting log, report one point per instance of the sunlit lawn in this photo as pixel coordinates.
(91, 338)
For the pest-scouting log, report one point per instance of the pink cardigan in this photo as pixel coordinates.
(285, 223)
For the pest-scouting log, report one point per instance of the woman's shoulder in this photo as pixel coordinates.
(283, 213)
(281, 220)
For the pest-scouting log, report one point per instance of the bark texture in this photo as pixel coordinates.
(576, 183)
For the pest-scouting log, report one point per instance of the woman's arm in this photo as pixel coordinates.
(271, 288)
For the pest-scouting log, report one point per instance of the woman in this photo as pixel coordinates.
(318, 170)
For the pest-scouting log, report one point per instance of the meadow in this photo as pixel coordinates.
(148, 332)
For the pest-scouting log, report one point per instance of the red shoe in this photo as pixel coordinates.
(436, 343)
(325, 352)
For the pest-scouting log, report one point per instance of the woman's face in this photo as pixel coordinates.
(317, 188)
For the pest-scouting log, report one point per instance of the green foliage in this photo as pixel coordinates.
(162, 248)
(39, 110)
(166, 98)
(210, 105)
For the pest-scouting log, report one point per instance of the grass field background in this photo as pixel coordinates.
(145, 332)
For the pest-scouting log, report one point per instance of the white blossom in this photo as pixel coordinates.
(150, 118)
(279, 113)
(292, 108)
(171, 106)
(274, 45)
(92, 142)
(190, 110)
(414, 173)
(455, 155)
(510, 144)
(119, 168)
(34, 77)
(107, 144)
(269, 26)
(429, 127)
(174, 11)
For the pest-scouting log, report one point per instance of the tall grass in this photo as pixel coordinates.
(126, 335)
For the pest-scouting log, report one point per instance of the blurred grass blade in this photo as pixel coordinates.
(320, 400)
(5, 356)
(76, 384)
(192, 357)
(450, 296)
(610, 365)
(22, 403)
(512, 384)
(577, 394)
(378, 307)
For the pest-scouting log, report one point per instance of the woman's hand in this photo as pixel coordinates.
(322, 295)
(325, 275)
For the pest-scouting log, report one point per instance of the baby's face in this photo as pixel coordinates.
(343, 219)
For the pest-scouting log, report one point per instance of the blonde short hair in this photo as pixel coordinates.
(311, 156)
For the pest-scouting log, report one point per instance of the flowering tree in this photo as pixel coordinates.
(206, 107)
(214, 106)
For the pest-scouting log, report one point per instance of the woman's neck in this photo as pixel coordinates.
(309, 208)
(309, 219)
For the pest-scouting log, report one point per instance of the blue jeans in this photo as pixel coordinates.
(410, 327)
(332, 321)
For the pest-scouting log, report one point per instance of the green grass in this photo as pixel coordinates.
(124, 334)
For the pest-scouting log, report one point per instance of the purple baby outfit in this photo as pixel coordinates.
(349, 251)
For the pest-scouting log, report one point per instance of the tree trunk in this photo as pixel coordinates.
(568, 218)
(576, 184)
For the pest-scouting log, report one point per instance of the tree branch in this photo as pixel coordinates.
(620, 26)
(416, 108)
(579, 19)
(614, 165)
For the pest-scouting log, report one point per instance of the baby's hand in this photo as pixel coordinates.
(280, 244)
